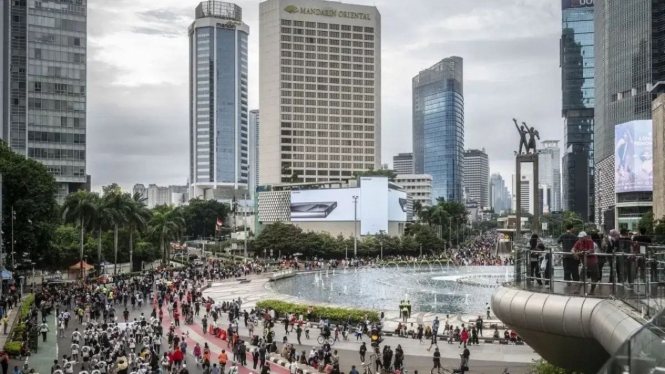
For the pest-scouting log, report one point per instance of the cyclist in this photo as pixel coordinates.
(326, 331)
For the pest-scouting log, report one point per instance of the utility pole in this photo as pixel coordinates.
(355, 227)
(13, 219)
(382, 250)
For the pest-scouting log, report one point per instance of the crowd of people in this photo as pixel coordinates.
(481, 251)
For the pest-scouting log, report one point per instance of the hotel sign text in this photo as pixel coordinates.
(327, 12)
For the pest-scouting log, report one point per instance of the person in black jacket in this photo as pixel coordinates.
(571, 266)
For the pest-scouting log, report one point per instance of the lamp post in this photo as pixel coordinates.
(244, 214)
(33, 277)
(355, 226)
(13, 219)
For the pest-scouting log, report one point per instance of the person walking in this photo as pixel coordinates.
(436, 359)
(255, 357)
(363, 351)
(584, 250)
(534, 265)
(298, 333)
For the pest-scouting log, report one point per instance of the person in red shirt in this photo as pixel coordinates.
(585, 245)
(176, 317)
(177, 357)
(464, 337)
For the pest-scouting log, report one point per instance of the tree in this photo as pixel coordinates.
(647, 223)
(100, 223)
(117, 208)
(79, 209)
(30, 190)
(137, 218)
(167, 223)
(282, 237)
(201, 217)
(417, 209)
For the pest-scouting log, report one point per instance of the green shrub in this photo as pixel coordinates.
(332, 313)
(543, 367)
(25, 306)
(13, 349)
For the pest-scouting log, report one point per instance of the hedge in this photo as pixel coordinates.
(332, 313)
(13, 349)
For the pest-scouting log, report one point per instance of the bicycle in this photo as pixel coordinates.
(322, 340)
(367, 367)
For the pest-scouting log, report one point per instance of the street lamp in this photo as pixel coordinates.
(355, 226)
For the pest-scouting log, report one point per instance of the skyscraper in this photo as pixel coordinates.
(577, 80)
(477, 176)
(254, 121)
(320, 97)
(403, 163)
(497, 198)
(438, 127)
(549, 173)
(624, 78)
(43, 64)
(219, 153)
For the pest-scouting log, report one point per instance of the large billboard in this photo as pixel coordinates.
(633, 157)
(397, 205)
(334, 204)
(374, 205)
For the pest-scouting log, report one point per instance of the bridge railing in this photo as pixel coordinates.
(637, 278)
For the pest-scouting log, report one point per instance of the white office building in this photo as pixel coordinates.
(549, 174)
(320, 97)
(155, 195)
(419, 189)
(254, 146)
(477, 176)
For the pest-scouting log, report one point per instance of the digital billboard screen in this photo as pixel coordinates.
(334, 204)
(633, 157)
(397, 205)
(373, 205)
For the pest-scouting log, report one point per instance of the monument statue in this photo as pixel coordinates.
(533, 135)
(523, 131)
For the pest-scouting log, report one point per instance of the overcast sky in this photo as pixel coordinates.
(138, 79)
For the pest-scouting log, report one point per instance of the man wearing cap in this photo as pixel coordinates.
(584, 246)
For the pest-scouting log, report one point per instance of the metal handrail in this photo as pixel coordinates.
(641, 271)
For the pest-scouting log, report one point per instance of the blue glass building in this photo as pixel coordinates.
(438, 127)
(219, 139)
(577, 85)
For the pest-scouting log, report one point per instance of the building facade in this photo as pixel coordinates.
(155, 195)
(623, 80)
(43, 64)
(419, 189)
(403, 163)
(549, 174)
(254, 146)
(477, 176)
(659, 156)
(526, 202)
(320, 98)
(219, 135)
(577, 79)
(497, 194)
(438, 127)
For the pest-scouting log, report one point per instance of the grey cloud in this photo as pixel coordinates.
(169, 33)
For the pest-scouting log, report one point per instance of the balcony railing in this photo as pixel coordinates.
(635, 278)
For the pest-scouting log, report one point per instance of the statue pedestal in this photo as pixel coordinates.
(530, 158)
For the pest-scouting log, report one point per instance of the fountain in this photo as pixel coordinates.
(327, 276)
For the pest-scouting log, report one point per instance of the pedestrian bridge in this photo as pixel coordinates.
(572, 327)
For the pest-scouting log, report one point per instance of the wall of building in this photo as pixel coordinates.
(659, 156)
(345, 228)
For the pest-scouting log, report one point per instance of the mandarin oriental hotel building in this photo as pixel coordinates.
(320, 99)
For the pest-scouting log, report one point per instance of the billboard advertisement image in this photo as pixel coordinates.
(373, 206)
(323, 205)
(397, 205)
(633, 157)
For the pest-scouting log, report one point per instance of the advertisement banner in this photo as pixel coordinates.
(633, 157)
(324, 205)
(397, 205)
(373, 207)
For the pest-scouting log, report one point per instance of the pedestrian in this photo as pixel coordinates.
(363, 350)
(43, 328)
(436, 358)
(255, 357)
(298, 333)
(4, 361)
(570, 264)
(5, 323)
(487, 305)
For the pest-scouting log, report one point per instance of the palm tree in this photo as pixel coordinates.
(137, 218)
(117, 209)
(417, 208)
(99, 223)
(79, 209)
(167, 223)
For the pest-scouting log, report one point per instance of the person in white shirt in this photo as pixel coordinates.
(293, 367)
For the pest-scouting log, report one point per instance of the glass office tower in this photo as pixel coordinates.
(44, 85)
(438, 127)
(219, 139)
(577, 85)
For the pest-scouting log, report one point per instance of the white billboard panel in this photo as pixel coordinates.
(397, 205)
(324, 205)
(373, 205)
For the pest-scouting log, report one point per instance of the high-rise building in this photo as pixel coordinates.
(438, 127)
(403, 163)
(497, 194)
(254, 121)
(157, 195)
(549, 173)
(43, 66)
(577, 82)
(419, 189)
(140, 190)
(218, 131)
(526, 191)
(320, 97)
(477, 176)
(623, 81)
